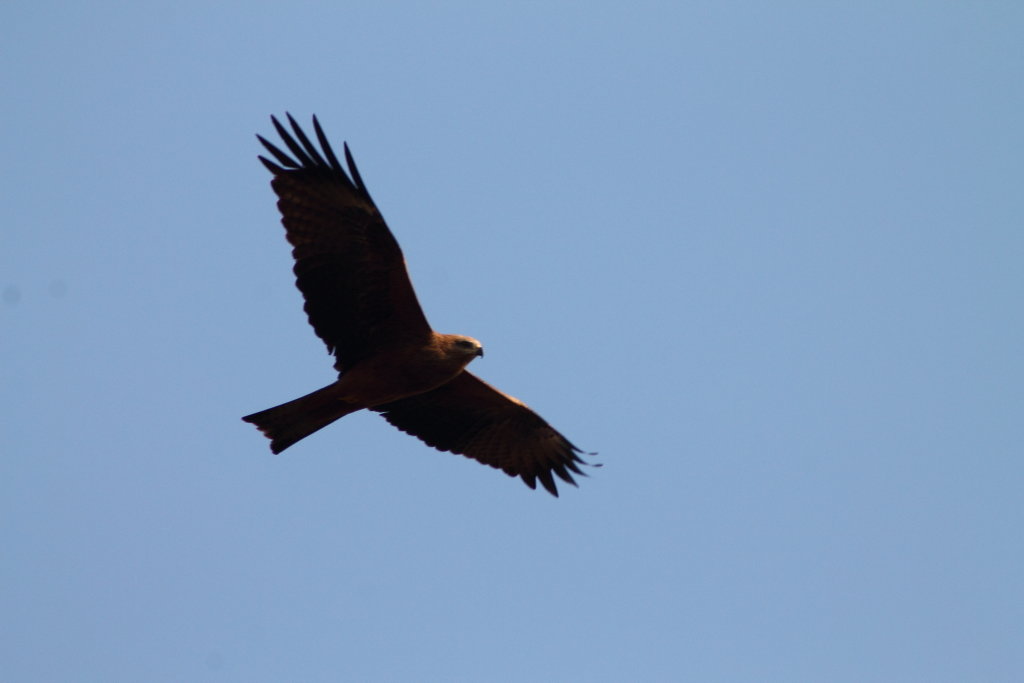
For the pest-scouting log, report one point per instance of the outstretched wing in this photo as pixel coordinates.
(348, 265)
(469, 417)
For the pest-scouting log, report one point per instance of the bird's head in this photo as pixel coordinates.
(465, 346)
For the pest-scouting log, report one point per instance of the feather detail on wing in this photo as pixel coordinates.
(348, 265)
(469, 417)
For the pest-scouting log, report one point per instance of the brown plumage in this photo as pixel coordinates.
(361, 303)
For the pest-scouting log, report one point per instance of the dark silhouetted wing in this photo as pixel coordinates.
(469, 417)
(348, 265)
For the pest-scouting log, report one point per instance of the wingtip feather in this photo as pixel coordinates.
(354, 170)
(326, 145)
(548, 482)
(308, 146)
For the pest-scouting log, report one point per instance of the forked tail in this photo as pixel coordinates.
(295, 420)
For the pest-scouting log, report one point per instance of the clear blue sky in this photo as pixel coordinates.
(766, 258)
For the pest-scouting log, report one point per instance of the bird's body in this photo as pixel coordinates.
(406, 371)
(360, 301)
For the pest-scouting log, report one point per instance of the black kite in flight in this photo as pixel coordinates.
(361, 303)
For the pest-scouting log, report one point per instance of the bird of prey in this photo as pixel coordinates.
(361, 303)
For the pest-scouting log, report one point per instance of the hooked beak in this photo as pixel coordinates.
(480, 352)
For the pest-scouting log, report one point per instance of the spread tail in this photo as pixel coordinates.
(295, 420)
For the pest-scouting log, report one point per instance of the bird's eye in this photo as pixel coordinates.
(465, 344)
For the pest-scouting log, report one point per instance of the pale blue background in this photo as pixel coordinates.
(766, 258)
